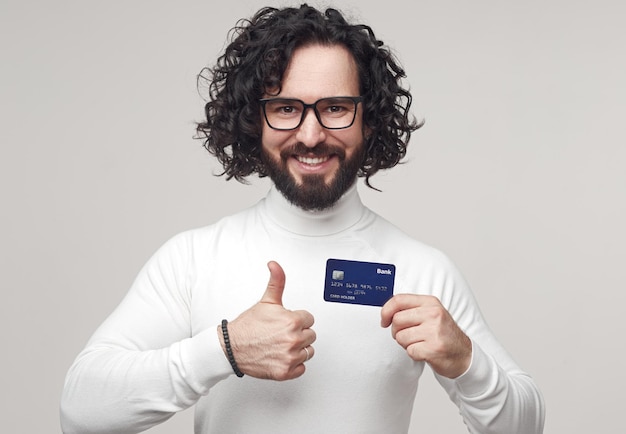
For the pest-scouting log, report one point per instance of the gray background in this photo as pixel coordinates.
(517, 175)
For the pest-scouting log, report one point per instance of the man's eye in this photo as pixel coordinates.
(336, 108)
(284, 109)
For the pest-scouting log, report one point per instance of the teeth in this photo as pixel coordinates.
(311, 160)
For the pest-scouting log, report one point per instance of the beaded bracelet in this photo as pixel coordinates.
(229, 350)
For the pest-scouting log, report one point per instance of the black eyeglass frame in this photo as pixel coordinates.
(355, 99)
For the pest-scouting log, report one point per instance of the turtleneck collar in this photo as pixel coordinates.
(345, 213)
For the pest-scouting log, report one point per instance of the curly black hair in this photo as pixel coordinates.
(253, 64)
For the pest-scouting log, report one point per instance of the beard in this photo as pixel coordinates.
(313, 193)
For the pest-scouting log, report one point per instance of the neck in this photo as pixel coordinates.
(344, 213)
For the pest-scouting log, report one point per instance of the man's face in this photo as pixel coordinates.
(313, 166)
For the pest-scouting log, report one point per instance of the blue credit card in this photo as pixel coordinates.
(357, 282)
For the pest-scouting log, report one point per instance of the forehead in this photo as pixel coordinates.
(319, 71)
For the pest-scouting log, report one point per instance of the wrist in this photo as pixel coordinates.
(226, 347)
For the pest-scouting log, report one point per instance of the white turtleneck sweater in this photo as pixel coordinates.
(159, 353)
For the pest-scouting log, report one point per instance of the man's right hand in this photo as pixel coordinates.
(268, 340)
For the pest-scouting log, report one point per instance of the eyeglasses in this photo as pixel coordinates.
(334, 113)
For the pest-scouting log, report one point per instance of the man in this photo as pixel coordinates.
(313, 102)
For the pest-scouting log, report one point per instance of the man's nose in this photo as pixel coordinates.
(310, 133)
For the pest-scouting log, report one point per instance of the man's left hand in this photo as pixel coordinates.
(427, 331)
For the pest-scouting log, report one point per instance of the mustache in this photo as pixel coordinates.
(318, 150)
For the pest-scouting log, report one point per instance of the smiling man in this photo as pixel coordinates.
(313, 152)
(314, 103)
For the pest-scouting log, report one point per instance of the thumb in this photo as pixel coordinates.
(274, 292)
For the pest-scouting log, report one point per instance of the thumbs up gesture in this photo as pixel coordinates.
(269, 341)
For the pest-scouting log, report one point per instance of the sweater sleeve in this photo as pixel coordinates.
(494, 395)
(143, 364)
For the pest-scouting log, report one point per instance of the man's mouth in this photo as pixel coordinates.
(312, 160)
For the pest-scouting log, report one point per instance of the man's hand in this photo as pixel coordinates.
(425, 329)
(269, 341)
